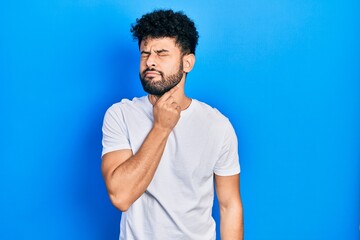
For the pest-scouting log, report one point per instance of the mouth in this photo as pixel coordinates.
(151, 73)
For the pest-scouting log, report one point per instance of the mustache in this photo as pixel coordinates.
(152, 69)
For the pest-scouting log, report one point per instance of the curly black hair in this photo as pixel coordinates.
(167, 23)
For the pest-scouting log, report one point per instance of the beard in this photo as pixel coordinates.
(163, 85)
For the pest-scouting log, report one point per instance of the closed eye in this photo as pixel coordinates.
(162, 52)
(145, 53)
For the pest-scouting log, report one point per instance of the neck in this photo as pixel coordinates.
(179, 97)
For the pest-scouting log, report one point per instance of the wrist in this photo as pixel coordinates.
(161, 131)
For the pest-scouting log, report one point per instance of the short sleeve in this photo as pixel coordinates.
(228, 161)
(115, 136)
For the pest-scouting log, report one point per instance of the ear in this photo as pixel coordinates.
(188, 62)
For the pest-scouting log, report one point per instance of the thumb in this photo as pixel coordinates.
(153, 99)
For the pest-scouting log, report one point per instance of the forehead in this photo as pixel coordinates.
(159, 43)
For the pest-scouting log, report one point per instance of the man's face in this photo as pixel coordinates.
(161, 66)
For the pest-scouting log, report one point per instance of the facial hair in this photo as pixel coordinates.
(163, 85)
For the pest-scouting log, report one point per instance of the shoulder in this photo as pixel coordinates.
(127, 111)
(210, 117)
(209, 112)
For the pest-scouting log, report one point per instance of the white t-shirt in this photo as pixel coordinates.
(178, 202)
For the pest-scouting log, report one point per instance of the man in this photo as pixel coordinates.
(163, 152)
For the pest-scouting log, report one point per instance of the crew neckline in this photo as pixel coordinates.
(189, 109)
(183, 113)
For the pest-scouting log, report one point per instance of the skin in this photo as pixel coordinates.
(155, 81)
(127, 175)
(231, 210)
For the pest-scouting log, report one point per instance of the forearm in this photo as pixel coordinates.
(231, 222)
(128, 181)
(128, 175)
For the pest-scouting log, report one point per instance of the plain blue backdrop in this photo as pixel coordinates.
(286, 73)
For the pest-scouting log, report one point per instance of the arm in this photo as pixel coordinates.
(231, 211)
(127, 175)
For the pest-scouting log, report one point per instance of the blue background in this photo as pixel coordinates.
(286, 73)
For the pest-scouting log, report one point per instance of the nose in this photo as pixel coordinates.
(150, 61)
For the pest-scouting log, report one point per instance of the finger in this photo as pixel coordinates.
(170, 100)
(153, 99)
(168, 93)
(176, 106)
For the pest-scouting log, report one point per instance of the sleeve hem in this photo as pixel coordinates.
(228, 173)
(112, 149)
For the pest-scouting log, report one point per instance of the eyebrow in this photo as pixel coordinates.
(161, 51)
(156, 51)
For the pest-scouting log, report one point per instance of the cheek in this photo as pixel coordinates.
(142, 65)
(172, 66)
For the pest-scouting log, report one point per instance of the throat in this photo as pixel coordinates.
(185, 103)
